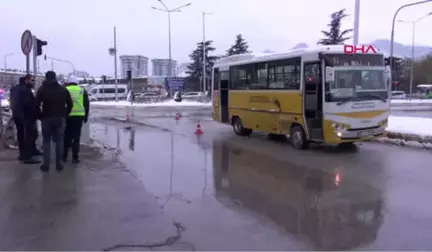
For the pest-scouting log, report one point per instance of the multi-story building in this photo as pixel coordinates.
(161, 66)
(138, 64)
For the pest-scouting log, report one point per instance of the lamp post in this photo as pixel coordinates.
(5, 59)
(64, 61)
(393, 28)
(204, 52)
(413, 23)
(169, 11)
(356, 22)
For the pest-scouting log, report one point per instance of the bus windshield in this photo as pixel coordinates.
(357, 85)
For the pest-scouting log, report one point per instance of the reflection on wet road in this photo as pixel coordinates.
(235, 193)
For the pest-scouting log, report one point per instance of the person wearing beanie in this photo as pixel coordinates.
(54, 104)
(75, 119)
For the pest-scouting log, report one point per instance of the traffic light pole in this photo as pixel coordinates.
(35, 44)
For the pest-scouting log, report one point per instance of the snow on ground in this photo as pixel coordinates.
(410, 125)
(158, 104)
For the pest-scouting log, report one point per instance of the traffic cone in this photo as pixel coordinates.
(198, 130)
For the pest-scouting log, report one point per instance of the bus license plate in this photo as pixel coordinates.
(365, 133)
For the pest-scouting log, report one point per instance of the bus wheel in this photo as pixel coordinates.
(239, 129)
(298, 138)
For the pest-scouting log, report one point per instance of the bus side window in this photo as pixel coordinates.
(259, 77)
(241, 77)
(216, 79)
(284, 74)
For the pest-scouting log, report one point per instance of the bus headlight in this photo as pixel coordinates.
(340, 126)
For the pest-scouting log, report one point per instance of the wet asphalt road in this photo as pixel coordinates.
(234, 193)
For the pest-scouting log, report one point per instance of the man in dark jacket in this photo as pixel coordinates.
(23, 114)
(75, 119)
(56, 105)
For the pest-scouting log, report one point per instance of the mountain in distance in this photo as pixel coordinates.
(400, 50)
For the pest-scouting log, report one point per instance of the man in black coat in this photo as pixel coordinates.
(56, 104)
(23, 114)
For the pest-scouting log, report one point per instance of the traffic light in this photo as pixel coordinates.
(39, 45)
(129, 75)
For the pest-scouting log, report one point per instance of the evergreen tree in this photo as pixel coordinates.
(195, 69)
(334, 36)
(240, 46)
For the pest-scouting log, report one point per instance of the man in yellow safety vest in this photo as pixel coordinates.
(75, 119)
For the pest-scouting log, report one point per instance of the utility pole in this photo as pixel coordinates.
(393, 30)
(169, 11)
(115, 65)
(204, 52)
(356, 22)
(5, 59)
(413, 23)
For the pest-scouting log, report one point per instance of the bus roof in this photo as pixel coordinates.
(260, 57)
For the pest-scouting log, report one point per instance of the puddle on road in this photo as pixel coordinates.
(231, 198)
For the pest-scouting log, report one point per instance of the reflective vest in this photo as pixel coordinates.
(77, 95)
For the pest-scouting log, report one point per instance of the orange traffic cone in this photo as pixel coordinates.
(198, 130)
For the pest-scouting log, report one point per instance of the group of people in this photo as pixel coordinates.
(62, 111)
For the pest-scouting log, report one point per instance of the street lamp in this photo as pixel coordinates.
(64, 61)
(393, 28)
(356, 22)
(413, 48)
(169, 11)
(204, 53)
(5, 59)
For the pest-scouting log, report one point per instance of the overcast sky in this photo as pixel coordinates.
(81, 31)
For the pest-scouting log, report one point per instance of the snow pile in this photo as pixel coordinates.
(409, 131)
(410, 125)
(170, 103)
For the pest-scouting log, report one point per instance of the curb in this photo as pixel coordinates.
(409, 137)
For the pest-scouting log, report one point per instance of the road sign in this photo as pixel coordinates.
(175, 83)
(26, 42)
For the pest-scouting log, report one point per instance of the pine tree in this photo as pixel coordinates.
(240, 46)
(334, 36)
(195, 69)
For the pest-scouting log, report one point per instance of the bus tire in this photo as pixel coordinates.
(239, 129)
(347, 146)
(298, 138)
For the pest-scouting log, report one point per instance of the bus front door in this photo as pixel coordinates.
(223, 96)
(313, 101)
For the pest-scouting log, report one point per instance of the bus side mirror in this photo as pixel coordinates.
(329, 74)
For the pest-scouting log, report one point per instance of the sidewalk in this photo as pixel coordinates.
(97, 205)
